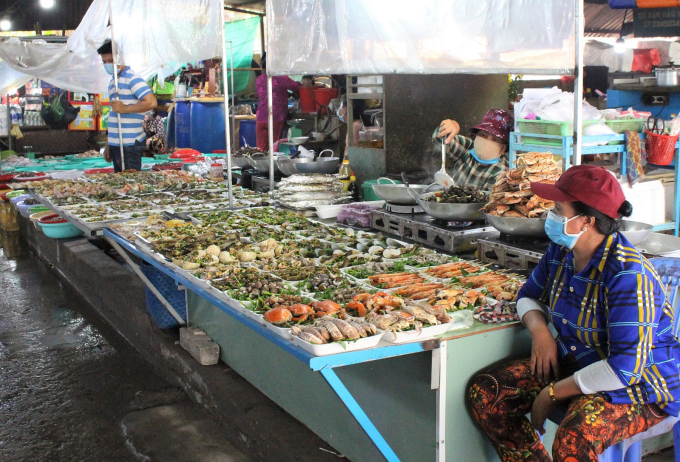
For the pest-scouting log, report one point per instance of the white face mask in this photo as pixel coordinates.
(487, 149)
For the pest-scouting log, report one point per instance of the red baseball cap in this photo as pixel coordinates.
(594, 186)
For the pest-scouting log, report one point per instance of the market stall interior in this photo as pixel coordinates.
(298, 283)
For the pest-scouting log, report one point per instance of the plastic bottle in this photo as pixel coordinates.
(353, 188)
(345, 174)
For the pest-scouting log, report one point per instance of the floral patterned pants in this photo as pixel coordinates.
(500, 397)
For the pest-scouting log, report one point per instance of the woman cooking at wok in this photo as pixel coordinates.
(476, 161)
(615, 361)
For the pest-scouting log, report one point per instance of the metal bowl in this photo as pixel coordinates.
(261, 164)
(634, 231)
(399, 193)
(240, 161)
(524, 227)
(451, 212)
(295, 166)
(660, 244)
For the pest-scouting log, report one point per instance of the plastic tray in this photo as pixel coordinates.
(335, 348)
(424, 334)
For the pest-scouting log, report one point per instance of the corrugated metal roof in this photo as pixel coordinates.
(602, 21)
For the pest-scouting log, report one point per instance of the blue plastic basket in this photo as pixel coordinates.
(168, 289)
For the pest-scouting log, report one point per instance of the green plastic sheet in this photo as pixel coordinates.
(241, 36)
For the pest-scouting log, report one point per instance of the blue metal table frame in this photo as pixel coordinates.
(566, 150)
(322, 364)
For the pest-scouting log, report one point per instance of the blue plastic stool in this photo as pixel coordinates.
(630, 450)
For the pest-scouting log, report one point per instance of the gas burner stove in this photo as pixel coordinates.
(530, 242)
(407, 209)
(424, 229)
(514, 252)
(453, 224)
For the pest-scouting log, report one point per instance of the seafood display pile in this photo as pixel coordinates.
(325, 287)
(305, 191)
(88, 154)
(511, 196)
(105, 198)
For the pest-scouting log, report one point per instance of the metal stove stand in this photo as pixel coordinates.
(260, 183)
(512, 252)
(424, 229)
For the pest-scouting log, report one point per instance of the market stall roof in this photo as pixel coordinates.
(252, 5)
(602, 21)
(391, 36)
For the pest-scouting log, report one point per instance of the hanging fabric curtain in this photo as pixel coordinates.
(241, 36)
(428, 37)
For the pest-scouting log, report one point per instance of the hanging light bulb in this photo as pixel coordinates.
(47, 4)
(5, 25)
(620, 45)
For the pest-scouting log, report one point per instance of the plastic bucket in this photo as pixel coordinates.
(182, 124)
(207, 127)
(307, 103)
(247, 131)
(323, 96)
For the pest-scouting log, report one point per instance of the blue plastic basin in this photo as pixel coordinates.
(60, 230)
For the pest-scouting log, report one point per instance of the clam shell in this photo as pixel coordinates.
(374, 250)
(391, 253)
(394, 243)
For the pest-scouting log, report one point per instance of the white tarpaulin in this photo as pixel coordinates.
(11, 79)
(151, 36)
(427, 36)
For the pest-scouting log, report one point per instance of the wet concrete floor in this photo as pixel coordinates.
(71, 389)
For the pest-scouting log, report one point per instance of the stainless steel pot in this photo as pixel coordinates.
(667, 76)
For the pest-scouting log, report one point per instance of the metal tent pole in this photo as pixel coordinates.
(233, 92)
(578, 84)
(270, 108)
(227, 131)
(114, 49)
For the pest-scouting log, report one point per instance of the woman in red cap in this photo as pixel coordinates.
(614, 363)
(478, 160)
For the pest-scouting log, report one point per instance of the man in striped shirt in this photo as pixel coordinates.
(133, 99)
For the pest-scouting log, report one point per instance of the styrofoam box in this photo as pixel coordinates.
(648, 199)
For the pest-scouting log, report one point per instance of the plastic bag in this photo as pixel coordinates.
(643, 60)
(599, 128)
(59, 112)
(560, 107)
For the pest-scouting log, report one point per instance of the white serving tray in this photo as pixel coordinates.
(335, 348)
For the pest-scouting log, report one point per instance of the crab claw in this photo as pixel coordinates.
(359, 307)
